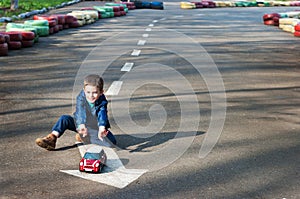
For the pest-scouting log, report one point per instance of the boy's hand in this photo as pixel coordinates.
(102, 132)
(82, 130)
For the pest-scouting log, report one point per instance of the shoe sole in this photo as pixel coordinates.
(44, 145)
(78, 138)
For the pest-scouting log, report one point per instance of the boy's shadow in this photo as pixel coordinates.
(137, 144)
(67, 147)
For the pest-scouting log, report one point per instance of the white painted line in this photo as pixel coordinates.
(141, 42)
(178, 16)
(154, 21)
(162, 19)
(151, 25)
(145, 35)
(127, 67)
(135, 52)
(114, 173)
(148, 29)
(119, 178)
(114, 88)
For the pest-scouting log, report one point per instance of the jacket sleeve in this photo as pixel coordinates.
(102, 112)
(80, 113)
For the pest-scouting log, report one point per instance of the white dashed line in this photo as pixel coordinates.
(151, 25)
(135, 52)
(127, 67)
(141, 42)
(114, 88)
(154, 21)
(199, 14)
(145, 35)
(148, 29)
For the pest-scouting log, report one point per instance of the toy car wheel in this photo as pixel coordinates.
(100, 168)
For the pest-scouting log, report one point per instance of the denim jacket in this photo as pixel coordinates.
(87, 115)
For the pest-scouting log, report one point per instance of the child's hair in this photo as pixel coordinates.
(94, 80)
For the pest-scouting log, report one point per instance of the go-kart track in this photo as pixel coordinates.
(204, 103)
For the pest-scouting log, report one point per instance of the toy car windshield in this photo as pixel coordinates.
(92, 156)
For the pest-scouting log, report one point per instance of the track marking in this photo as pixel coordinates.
(113, 174)
(127, 67)
(145, 35)
(135, 52)
(141, 42)
(151, 25)
(154, 21)
(114, 88)
(148, 29)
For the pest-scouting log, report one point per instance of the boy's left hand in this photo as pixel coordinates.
(102, 132)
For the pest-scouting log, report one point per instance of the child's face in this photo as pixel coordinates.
(92, 93)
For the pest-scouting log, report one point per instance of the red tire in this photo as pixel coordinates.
(6, 37)
(269, 22)
(276, 19)
(41, 17)
(52, 22)
(27, 36)
(2, 39)
(45, 17)
(27, 44)
(60, 19)
(14, 45)
(3, 49)
(116, 9)
(297, 33)
(14, 35)
(51, 30)
(270, 16)
(75, 24)
(66, 26)
(117, 14)
(297, 27)
(69, 19)
(56, 29)
(60, 26)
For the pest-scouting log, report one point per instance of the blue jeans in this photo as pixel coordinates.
(66, 122)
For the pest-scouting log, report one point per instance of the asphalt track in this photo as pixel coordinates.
(257, 153)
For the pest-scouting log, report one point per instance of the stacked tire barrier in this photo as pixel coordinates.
(22, 35)
(288, 22)
(213, 4)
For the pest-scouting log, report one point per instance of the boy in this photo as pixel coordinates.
(90, 118)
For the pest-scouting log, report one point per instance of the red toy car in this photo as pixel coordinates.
(93, 160)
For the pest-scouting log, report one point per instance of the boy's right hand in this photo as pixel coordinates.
(82, 130)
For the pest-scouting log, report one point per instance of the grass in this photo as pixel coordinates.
(26, 6)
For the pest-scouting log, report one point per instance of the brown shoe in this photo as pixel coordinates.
(47, 142)
(80, 138)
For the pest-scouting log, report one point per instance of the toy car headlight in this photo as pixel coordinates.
(97, 164)
(81, 163)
